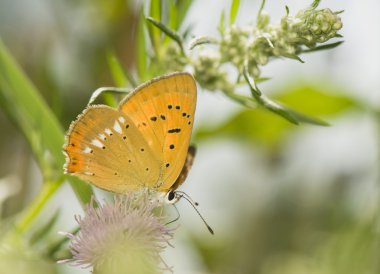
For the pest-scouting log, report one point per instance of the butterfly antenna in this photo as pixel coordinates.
(194, 206)
(176, 218)
(182, 194)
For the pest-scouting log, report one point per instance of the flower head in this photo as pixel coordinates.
(121, 237)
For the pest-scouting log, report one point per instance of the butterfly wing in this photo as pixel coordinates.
(105, 147)
(163, 110)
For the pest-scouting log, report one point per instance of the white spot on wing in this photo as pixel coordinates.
(117, 127)
(97, 143)
(121, 119)
(108, 131)
(87, 150)
(88, 173)
(102, 136)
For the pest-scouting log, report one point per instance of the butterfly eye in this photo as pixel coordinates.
(171, 197)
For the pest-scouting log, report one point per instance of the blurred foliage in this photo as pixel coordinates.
(263, 127)
(24, 260)
(292, 235)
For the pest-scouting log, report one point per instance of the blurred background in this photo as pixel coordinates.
(281, 198)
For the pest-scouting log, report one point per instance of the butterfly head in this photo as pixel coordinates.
(172, 197)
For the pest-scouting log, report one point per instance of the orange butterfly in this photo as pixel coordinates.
(142, 143)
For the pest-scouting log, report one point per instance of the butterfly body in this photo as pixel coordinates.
(142, 144)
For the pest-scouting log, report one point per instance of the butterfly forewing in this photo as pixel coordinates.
(105, 147)
(163, 111)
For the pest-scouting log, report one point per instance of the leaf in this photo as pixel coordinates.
(251, 82)
(117, 70)
(315, 4)
(169, 32)
(183, 7)
(317, 100)
(294, 57)
(141, 48)
(249, 125)
(154, 33)
(201, 41)
(24, 105)
(102, 90)
(234, 10)
(221, 23)
(261, 126)
(323, 47)
(43, 231)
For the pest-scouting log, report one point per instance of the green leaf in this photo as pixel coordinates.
(315, 4)
(117, 70)
(43, 231)
(24, 105)
(169, 32)
(154, 33)
(251, 82)
(182, 9)
(323, 47)
(316, 99)
(294, 57)
(261, 126)
(104, 90)
(221, 23)
(249, 125)
(141, 48)
(201, 41)
(234, 10)
(173, 14)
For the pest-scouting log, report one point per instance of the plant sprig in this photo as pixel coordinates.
(249, 48)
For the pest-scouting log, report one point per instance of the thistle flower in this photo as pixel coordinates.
(121, 237)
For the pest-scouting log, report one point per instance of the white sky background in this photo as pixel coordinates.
(220, 169)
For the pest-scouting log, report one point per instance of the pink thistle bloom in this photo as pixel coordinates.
(121, 237)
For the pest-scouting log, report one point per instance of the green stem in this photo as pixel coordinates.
(48, 189)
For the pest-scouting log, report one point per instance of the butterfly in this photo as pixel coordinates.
(144, 143)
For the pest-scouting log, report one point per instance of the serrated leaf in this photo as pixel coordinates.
(234, 10)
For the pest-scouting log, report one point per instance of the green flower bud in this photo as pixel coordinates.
(207, 70)
(263, 20)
